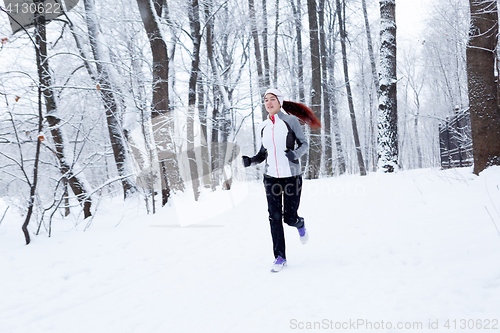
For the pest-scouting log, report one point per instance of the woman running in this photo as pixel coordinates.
(283, 143)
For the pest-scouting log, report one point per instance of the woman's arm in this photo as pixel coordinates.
(258, 158)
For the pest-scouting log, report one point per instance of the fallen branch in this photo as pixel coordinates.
(4, 214)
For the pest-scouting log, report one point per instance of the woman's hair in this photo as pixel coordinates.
(302, 112)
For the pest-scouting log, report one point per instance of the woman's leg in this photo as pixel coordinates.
(292, 191)
(274, 193)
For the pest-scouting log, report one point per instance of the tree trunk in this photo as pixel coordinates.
(297, 13)
(359, 154)
(388, 117)
(161, 115)
(39, 25)
(417, 141)
(258, 57)
(194, 23)
(371, 54)
(214, 141)
(77, 186)
(216, 165)
(149, 166)
(265, 48)
(334, 114)
(205, 156)
(276, 43)
(105, 88)
(484, 112)
(254, 136)
(376, 86)
(326, 91)
(336, 132)
(315, 139)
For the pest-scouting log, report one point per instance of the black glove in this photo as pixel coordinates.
(246, 161)
(291, 155)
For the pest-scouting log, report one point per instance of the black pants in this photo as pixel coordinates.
(283, 199)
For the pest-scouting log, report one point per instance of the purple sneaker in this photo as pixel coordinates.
(279, 264)
(304, 235)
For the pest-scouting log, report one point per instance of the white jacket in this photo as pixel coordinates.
(280, 133)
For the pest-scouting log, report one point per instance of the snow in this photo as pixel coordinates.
(415, 246)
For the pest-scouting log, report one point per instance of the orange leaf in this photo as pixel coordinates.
(17, 98)
(98, 87)
(4, 40)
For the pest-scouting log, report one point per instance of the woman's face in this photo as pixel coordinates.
(272, 104)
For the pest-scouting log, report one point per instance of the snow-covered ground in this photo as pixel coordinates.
(408, 250)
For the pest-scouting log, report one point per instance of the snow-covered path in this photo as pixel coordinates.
(384, 250)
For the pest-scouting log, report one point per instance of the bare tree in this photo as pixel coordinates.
(277, 24)
(343, 37)
(388, 117)
(161, 114)
(297, 14)
(265, 47)
(40, 29)
(214, 135)
(315, 148)
(221, 92)
(194, 23)
(326, 91)
(445, 47)
(104, 81)
(258, 56)
(205, 154)
(371, 54)
(484, 113)
(76, 184)
(415, 81)
(332, 41)
(376, 84)
(45, 88)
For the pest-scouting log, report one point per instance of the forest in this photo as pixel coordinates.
(150, 98)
